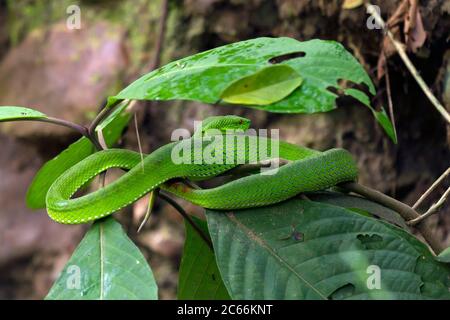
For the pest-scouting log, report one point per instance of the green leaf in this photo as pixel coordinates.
(199, 277)
(444, 256)
(354, 202)
(387, 125)
(12, 113)
(111, 127)
(381, 115)
(106, 266)
(266, 86)
(307, 250)
(204, 76)
(52, 169)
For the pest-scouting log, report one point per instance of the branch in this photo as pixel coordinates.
(161, 35)
(186, 216)
(407, 213)
(64, 123)
(432, 210)
(431, 189)
(401, 51)
(99, 118)
(389, 93)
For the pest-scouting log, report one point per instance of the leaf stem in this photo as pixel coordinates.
(186, 216)
(404, 210)
(64, 123)
(106, 111)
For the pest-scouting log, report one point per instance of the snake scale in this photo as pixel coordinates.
(307, 170)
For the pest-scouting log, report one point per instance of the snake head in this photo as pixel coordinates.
(224, 123)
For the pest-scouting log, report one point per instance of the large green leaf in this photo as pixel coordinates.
(111, 127)
(444, 256)
(358, 203)
(307, 250)
(107, 266)
(205, 76)
(199, 276)
(13, 113)
(267, 86)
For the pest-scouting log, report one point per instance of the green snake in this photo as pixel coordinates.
(307, 170)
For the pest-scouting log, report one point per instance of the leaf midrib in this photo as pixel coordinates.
(263, 245)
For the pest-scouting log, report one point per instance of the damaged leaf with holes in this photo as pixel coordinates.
(337, 257)
(267, 86)
(207, 75)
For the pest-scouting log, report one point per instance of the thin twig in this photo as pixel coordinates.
(401, 51)
(151, 203)
(161, 35)
(101, 139)
(186, 216)
(404, 210)
(389, 93)
(412, 16)
(191, 184)
(432, 210)
(251, 167)
(432, 188)
(139, 141)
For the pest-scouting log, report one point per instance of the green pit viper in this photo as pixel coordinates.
(307, 170)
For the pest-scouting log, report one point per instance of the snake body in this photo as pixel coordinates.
(309, 170)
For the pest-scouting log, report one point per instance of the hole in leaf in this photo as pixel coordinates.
(336, 91)
(343, 292)
(348, 84)
(285, 57)
(370, 241)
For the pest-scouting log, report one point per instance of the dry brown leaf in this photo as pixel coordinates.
(416, 36)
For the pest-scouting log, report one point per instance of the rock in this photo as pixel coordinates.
(166, 241)
(63, 73)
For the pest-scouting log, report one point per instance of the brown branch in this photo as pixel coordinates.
(161, 35)
(64, 123)
(432, 210)
(432, 188)
(389, 93)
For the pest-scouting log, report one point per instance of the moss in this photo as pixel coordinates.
(26, 15)
(138, 17)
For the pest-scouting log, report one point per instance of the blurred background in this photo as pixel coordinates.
(68, 73)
